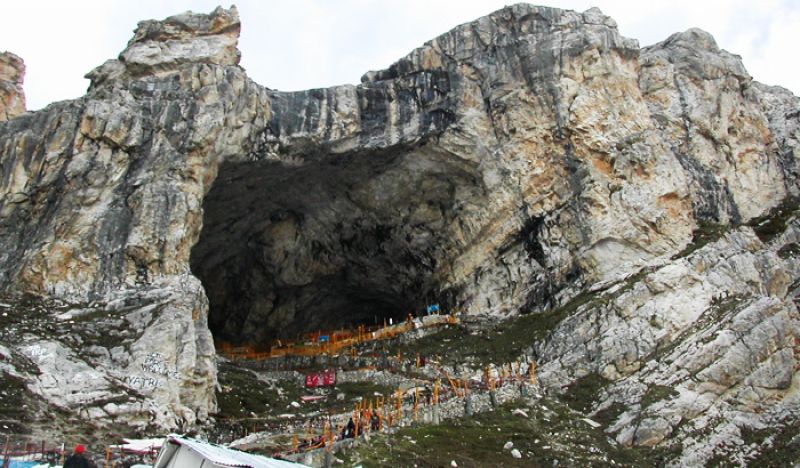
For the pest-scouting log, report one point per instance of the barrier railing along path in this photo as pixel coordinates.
(332, 342)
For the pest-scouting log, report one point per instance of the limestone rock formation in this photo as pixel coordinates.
(709, 338)
(12, 96)
(517, 163)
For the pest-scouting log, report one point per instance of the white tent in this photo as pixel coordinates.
(139, 446)
(180, 452)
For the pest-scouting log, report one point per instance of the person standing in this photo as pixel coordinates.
(78, 459)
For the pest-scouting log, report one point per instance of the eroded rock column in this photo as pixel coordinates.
(12, 96)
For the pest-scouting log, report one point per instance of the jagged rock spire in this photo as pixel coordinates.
(12, 96)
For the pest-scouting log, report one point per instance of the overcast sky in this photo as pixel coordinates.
(303, 44)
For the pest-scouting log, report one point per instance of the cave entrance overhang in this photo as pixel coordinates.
(335, 242)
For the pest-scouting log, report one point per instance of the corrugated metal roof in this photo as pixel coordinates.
(224, 456)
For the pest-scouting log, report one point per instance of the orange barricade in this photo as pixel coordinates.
(335, 342)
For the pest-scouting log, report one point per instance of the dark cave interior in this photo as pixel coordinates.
(336, 241)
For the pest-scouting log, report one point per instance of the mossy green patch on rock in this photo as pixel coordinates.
(779, 446)
(705, 233)
(582, 393)
(773, 224)
(12, 397)
(656, 393)
(791, 250)
(608, 415)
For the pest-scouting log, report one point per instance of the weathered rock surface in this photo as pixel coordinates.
(12, 96)
(703, 342)
(509, 165)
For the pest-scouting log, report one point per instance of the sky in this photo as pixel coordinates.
(302, 44)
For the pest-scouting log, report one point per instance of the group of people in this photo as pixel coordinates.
(369, 419)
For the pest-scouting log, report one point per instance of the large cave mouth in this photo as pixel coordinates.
(336, 241)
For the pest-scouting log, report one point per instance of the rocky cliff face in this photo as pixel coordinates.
(12, 96)
(511, 165)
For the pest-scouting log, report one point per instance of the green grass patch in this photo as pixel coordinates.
(783, 448)
(583, 392)
(502, 342)
(656, 393)
(705, 233)
(724, 305)
(777, 447)
(770, 226)
(365, 390)
(607, 416)
(242, 394)
(552, 434)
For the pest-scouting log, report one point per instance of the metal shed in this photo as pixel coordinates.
(181, 452)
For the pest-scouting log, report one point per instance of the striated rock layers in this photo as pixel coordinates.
(12, 97)
(505, 167)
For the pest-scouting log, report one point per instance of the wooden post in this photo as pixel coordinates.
(436, 392)
(5, 451)
(532, 372)
(399, 404)
(329, 446)
(416, 402)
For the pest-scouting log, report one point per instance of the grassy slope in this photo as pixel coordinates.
(553, 431)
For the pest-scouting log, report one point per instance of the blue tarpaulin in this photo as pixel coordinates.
(23, 464)
(433, 308)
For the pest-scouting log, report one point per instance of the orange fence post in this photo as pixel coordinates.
(357, 421)
(399, 404)
(416, 402)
